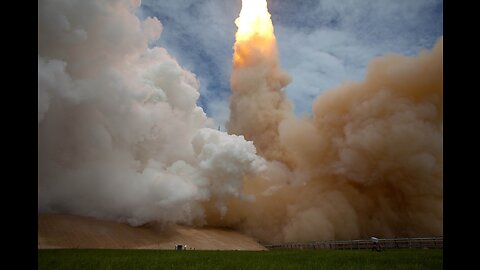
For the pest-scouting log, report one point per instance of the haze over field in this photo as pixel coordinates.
(121, 135)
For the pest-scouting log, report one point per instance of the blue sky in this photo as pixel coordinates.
(322, 43)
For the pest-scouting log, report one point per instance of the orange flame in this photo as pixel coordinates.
(254, 21)
(255, 37)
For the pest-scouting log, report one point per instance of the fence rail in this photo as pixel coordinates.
(427, 242)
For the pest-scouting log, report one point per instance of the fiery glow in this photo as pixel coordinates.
(255, 40)
(254, 21)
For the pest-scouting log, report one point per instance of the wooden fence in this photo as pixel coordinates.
(427, 242)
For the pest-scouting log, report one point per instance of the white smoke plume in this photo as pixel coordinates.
(119, 133)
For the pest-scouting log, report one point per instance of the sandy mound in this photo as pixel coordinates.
(65, 231)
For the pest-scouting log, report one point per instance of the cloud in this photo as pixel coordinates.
(325, 43)
(200, 35)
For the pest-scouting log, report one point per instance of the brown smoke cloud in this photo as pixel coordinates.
(367, 162)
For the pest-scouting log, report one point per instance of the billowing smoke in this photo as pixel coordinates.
(120, 135)
(119, 132)
(368, 162)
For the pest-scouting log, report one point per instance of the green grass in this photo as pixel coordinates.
(211, 260)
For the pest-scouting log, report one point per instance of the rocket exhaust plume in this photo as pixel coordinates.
(367, 162)
(258, 103)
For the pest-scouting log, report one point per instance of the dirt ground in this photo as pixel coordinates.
(66, 231)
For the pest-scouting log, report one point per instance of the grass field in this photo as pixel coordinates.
(297, 259)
